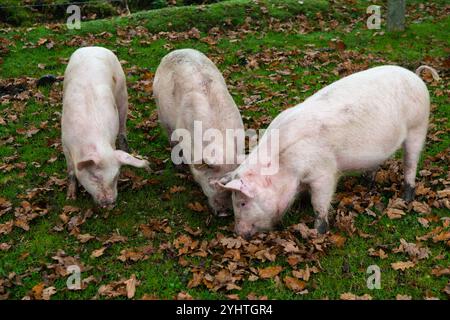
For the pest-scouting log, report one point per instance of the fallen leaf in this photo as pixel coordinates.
(99, 252)
(131, 286)
(393, 213)
(197, 207)
(184, 296)
(413, 250)
(269, 272)
(302, 274)
(440, 271)
(294, 284)
(37, 290)
(424, 222)
(402, 265)
(4, 246)
(338, 240)
(48, 292)
(83, 238)
(443, 236)
(421, 207)
(351, 296)
(377, 253)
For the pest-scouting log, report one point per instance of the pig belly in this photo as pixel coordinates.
(366, 157)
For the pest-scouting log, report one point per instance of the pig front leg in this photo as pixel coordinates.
(123, 143)
(412, 148)
(72, 187)
(322, 190)
(122, 103)
(72, 179)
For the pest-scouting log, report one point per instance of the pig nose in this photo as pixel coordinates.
(106, 202)
(247, 235)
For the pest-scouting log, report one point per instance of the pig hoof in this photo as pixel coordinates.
(123, 143)
(409, 193)
(321, 225)
(71, 196)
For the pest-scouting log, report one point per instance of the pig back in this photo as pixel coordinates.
(362, 118)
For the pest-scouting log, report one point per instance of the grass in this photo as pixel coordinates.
(160, 275)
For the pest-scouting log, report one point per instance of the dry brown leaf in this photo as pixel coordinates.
(48, 292)
(115, 238)
(413, 250)
(83, 238)
(447, 289)
(338, 240)
(6, 227)
(131, 286)
(421, 207)
(402, 265)
(4, 246)
(351, 296)
(443, 236)
(440, 271)
(176, 189)
(304, 274)
(197, 207)
(294, 259)
(424, 222)
(269, 272)
(184, 296)
(294, 284)
(99, 252)
(22, 223)
(134, 254)
(393, 213)
(377, 253)
(196, 280)
(38, 290)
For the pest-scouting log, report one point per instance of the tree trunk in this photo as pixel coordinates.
(396, 15)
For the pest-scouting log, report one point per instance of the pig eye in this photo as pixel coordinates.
(243, 204)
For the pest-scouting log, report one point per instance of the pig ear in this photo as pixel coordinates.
(238, 185)
(127, 159)
(226, 178)
(91, 160)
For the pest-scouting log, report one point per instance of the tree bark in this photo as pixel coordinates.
(396, 15)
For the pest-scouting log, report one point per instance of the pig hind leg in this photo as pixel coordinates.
(369, 176)
(412, 147)
(322, 190)
(122, 103)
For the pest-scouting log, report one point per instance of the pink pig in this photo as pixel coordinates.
(95, 106)
(355, 123)
(188, 88)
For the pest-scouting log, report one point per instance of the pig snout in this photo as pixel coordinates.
(245, 231)
(221, 207)
(106, 200)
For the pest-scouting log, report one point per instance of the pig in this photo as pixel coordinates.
(188, 87)
(354, 124)
(95, 106)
